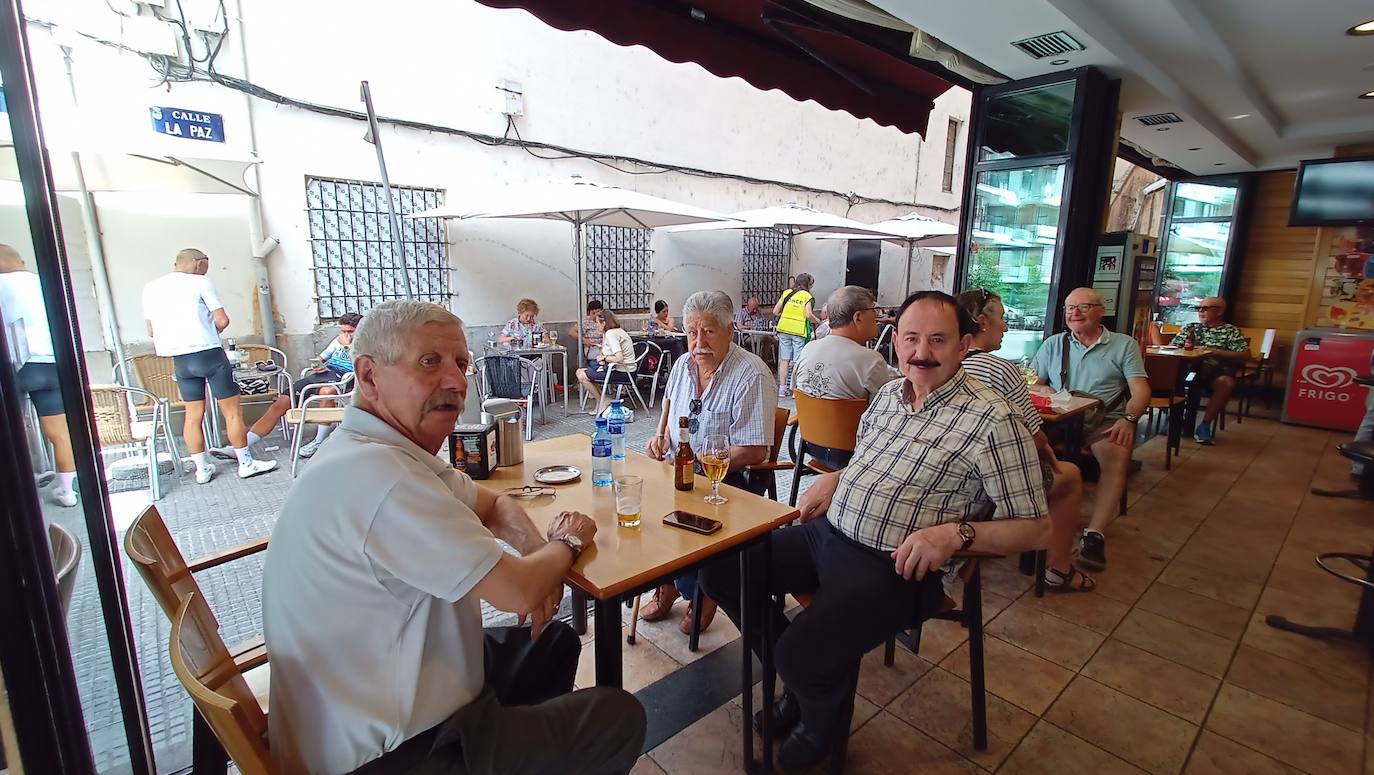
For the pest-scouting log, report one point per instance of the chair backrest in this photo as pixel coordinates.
(66, 562)
(888, 328)
(505, 376)
(157, 375)
(780, 417)
(1169, 329)
(829, 422)
(113, 425)
(261, 353)
(648, 358)
(1268, 343)
(1163, 372)
(206, 669)
(149, 545)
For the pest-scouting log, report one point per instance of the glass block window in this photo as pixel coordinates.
(618, 267)
(355, 261)
(767, 263)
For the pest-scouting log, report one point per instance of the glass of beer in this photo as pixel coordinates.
(629, 497)
(715, 461)
(552, 336)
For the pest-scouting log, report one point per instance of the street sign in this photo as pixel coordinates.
(190, 124)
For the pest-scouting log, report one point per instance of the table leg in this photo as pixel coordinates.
(747, 598)
(607, 646)
(1193, 393)
(566, 387)
(765, 573)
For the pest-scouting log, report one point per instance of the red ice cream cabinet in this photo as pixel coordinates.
(1322, 390)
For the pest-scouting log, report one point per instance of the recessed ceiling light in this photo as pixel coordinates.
(1369, 95)
(1162, 128)
(1194, 149)
(1219, 164)
(1059, 61)
(1239, 116)
(1362, 29)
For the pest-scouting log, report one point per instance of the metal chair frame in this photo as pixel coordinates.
(299, 433)
(528, 371)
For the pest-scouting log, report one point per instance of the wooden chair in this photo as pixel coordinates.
(832, 423)
(171, 579)
(221, 695)
(781, 418)
(156, 374)
(1166, 397)
(117, 426)
(66, 562)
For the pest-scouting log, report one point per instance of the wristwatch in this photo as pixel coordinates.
(967, 533)
(573, 542)
(1131, 418)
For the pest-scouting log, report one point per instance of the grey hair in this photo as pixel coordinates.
(715, 303)
(384, 331)
(846, 302)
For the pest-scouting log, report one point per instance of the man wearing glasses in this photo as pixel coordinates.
(1219, 373)
(1108, 365)
(841, 366)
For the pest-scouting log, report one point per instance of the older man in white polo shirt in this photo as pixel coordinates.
(372, 584)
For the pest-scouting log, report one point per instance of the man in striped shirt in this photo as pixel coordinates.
(1063, 480)
(937, 452)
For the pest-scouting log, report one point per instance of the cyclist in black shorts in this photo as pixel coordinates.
(21, 301)
(185, 317)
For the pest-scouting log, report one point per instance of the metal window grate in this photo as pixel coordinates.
(354, 255)
(767, 263)
(618, 267)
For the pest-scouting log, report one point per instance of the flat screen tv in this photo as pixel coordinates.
(1334, 192)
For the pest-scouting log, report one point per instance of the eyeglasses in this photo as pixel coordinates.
(1211, 308)
(1082, 308)
(530, 491)
(694, 409)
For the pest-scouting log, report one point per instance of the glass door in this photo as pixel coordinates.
(1194, 249)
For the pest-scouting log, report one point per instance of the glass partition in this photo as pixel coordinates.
(1194, 249)
(1030, 122)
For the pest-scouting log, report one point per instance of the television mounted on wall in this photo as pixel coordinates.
(1334, 192)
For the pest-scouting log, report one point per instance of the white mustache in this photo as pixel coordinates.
(703, 351)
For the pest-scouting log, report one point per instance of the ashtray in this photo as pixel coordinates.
(557, 474)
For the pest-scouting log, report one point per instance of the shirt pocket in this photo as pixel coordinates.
(716, 423)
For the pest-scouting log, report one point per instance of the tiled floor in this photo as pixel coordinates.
(1168, 667)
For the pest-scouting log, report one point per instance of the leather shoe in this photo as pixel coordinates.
(786, 714)
(803, 748)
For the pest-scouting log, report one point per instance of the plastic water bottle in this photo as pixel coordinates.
(601, 455)
(615, 423)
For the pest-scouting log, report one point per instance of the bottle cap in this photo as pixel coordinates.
(601, 422)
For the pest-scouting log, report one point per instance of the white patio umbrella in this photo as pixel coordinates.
(578, 202)
(912, 230)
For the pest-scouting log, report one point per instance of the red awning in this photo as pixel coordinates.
(808, 53)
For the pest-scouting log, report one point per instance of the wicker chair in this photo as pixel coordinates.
(117, 425)
(156, 374)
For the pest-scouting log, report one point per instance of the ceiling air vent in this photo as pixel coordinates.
(1159, 119)
(1050, 45)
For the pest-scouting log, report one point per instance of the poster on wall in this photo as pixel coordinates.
(1348, 285)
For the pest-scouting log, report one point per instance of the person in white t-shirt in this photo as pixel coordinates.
(617, 352)
(184, 317)
(840, 365)
(21, 308)
(372, 586)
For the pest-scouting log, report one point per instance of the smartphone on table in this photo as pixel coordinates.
(693, 522)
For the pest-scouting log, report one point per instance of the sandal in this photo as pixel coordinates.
(1085, 583)
(660, 605)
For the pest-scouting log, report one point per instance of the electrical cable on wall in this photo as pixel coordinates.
(170, 70)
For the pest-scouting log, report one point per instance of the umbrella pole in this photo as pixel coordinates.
(906, 282)
(374, 136)
(579, 266)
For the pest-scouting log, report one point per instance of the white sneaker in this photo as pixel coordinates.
(66, 498)
(310, 449)
(204, 475)
(249, 470)
(223, 453)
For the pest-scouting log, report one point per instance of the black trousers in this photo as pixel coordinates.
(859, 601)
(527, 719)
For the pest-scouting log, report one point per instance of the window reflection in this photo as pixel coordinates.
(1028, 122)
(1194, 249)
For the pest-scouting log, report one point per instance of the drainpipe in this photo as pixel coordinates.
(262, 245)
(104, 298)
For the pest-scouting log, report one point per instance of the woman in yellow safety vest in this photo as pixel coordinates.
(795, 321)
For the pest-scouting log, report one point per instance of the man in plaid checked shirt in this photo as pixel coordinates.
(937, 451)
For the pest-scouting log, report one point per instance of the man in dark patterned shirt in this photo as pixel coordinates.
(1217, 373)
(942, 464)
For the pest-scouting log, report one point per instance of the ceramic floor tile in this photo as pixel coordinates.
(1208, 581)
(1215, 755)
(1287, 734)
(938, 638)
(881, 684)
(647, 766)
(1087, 609)
(1124, 581)
(666, 635)
(1061, 642)
(1144, 676)
(1049, 750)
(938, 705)
(1319, 586)
(1346, 661)
(1188, 646)
(711, 745)
(889, 746)
(1199, 611)
(1014, 674)
(1124, 726)
(1306, 608)
(642, 664)
(1292, 683)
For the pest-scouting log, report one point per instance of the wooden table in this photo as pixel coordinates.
(626, 562)
(1070, 419)
(1193, 360)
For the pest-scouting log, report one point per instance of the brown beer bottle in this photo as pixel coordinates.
(683, 459)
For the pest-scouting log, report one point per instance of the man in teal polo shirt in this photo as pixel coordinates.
(1109, 366)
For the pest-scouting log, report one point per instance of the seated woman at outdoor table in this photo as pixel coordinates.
(617, 351)
(590, 334)
(661, 322)
(333, 364)
(523, 330)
